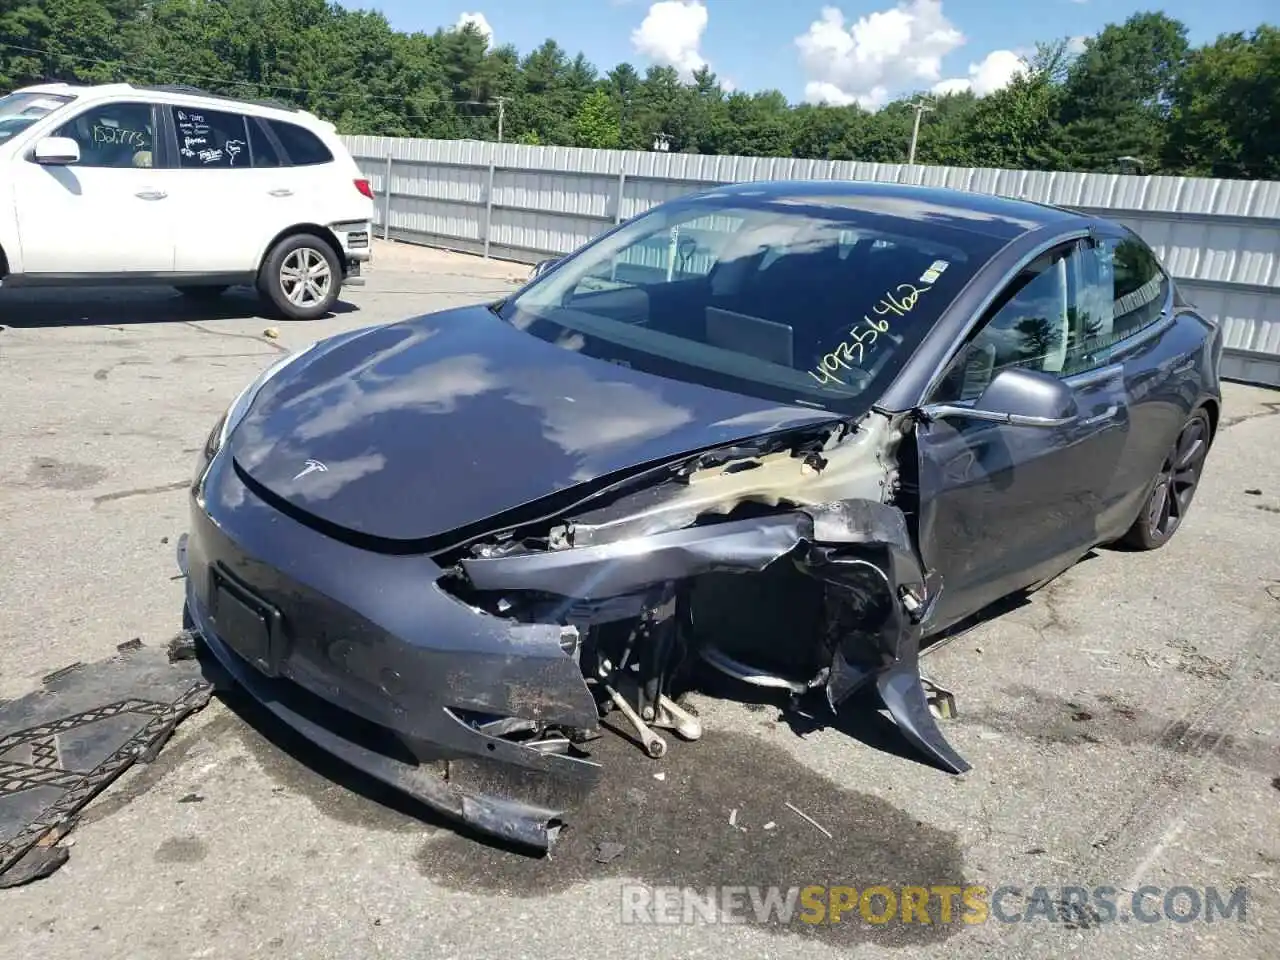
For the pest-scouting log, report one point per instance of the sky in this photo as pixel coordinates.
(841, 51)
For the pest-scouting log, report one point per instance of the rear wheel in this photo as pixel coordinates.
(203, 293)
(301, 277)
(1173, 488)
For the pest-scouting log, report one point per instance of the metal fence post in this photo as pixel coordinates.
(386, 200)
(488, 208)
(622, 191)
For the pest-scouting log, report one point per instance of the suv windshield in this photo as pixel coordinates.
(815, 300)
(19, 110)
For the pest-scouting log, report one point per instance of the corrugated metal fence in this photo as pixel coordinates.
(1220, 238)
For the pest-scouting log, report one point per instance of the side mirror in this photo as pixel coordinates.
(1019, 397)
(542, 266)
(56, 151)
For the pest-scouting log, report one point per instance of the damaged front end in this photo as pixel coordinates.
(648, 581)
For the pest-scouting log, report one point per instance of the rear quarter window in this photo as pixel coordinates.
(304, 148)
(265, 153)
(1140, 285)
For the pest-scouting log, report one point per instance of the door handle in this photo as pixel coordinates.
(150, 194)
(282, 192)
(1106, 414)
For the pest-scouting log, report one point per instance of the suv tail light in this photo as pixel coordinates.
(365, 188)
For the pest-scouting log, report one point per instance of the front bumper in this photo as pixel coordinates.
(367, 657)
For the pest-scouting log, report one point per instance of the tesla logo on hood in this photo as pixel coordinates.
(312, 466)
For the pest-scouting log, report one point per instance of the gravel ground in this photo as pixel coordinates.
(1123, 724)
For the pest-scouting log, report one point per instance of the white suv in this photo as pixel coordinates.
(170, 185)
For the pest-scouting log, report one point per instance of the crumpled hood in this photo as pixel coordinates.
(412, 430)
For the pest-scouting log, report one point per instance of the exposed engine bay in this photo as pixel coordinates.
(789, 563)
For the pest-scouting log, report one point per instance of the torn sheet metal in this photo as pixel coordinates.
(625, 566)
(62, 745)
(879, 599)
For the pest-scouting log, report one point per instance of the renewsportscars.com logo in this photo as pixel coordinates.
(937, 904)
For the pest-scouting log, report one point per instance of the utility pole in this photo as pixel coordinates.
(502, 114)
(920, 107)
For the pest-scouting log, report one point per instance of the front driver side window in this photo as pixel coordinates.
(113, 135)
(1035, 323)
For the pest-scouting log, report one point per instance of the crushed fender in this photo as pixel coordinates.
(877, 602)
(64, 744)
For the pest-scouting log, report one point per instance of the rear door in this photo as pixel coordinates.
(1139, 329)
(1003, 507)
(110, 213)
(225, 213)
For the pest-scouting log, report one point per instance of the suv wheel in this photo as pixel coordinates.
(203, 293)
(301, 277)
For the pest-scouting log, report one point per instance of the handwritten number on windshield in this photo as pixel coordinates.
(900, 302)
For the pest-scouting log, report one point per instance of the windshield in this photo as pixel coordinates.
(19, 110)
(810, 300)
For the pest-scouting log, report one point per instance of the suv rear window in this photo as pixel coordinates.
(303, 147)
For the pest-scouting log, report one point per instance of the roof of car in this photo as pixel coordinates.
(981, 212)
(213, 100)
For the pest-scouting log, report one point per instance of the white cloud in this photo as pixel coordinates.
(955, 85)
(882, 52)
(478, 20)
(671, 34)
(1075, 45)
(995, 72)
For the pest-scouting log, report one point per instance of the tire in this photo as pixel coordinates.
(203, 293)
(293, 261)
(1172, 489)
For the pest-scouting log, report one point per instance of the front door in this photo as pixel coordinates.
(1004, 507)
(111, 212)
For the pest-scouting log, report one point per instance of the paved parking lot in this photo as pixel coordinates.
(1123, 725)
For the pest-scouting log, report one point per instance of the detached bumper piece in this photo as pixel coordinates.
(63, 745)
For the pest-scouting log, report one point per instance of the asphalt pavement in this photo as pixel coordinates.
(1123, 724)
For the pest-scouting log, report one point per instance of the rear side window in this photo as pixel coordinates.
(211, 139)
(303, 147)
(264, 150)
(1131, 290)
(1140, 285)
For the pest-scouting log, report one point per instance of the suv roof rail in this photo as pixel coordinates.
(200, 92)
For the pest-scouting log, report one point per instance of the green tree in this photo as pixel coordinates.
(1136, 90)
(1225, 118)
(1009, 127)
(596, 123)
(1116, 98)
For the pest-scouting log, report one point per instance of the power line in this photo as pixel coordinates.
(156, 71)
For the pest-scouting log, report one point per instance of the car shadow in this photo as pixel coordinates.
(33, 309)
(860, 717)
